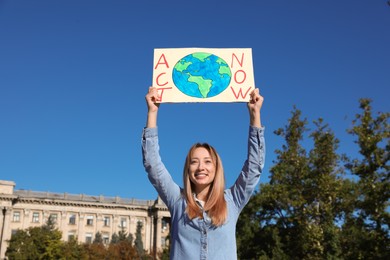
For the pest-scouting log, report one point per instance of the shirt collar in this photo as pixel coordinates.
(198, 201)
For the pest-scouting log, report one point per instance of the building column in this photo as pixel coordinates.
(80, 230)
(151, 232)
(2, 222)
(115, 221)
(158, 235)
(64, 225)
(26, 218)
(5, 231)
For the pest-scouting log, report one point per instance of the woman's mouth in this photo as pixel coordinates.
(200, 174)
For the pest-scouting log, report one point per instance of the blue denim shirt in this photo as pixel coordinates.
(198, 238)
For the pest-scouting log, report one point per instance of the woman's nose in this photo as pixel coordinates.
(200, 165)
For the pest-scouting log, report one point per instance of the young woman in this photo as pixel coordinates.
(204, 214)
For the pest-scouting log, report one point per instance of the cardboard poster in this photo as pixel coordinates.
(203, 74)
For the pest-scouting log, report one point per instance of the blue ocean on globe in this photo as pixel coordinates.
(201, 75)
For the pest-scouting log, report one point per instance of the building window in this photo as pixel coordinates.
(106, 239)
(16, 216)
(53, 217)
(88, 238)
(106, 221)
(13, 232)
(71, 236)
(72, 219)
(35, 217)
(123, 223)
(89, 220)
(164, 224)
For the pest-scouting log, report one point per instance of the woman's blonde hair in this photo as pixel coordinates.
(215, 205)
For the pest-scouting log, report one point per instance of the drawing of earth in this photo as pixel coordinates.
(201, 75)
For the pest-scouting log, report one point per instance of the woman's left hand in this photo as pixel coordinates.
(254, 106)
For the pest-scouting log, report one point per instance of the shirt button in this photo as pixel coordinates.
(204, 246)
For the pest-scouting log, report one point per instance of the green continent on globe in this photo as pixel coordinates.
(202, 56)
(201, 75)
(182, 65)
(204, 84)
(225, 70)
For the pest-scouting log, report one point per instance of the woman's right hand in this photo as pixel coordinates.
(151, 101)
(151, 98)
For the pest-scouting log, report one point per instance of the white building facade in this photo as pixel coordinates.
(82, 216)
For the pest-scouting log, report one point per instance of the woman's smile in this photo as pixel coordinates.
(202, 168)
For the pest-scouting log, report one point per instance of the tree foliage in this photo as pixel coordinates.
(138, 239)
(122, 246)
(72, 250)
(366, 231)
(36, 243)
(312, 208)
(45, 243)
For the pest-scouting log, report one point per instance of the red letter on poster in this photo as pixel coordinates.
(237, 95)
(243, 78)
(157, 80)
(161, 90)
(239, 62)
(162, 62)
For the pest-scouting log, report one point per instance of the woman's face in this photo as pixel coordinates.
(202, 168)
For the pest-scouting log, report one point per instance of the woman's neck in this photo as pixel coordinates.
(202, 194)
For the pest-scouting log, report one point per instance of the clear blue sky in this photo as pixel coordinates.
(74, 73)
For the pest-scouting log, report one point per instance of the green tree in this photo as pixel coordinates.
(164, 255)
(121, 246)
(123, 236)
(96, 250)
(139, 246)
(36, 243)
(293, 216)
(98, 238)
(324, 187)
(21, 246)
(366, 228)
(114, 238)
(72, 250)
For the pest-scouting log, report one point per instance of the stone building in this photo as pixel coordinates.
(82, 216)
